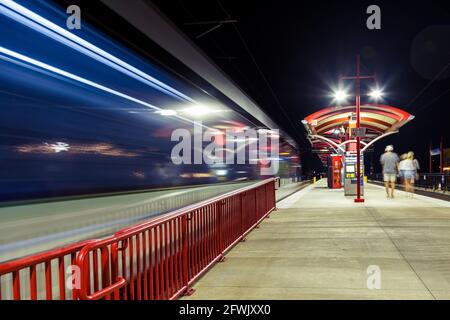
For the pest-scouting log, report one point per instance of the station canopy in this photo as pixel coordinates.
(328, 128)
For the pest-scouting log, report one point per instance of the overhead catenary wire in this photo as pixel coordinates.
(444, 69)
(264, 78)
(223, 53)
(425, 107)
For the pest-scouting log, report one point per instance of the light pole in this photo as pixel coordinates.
(358, 79)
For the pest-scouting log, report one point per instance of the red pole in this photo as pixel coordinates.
(358, 138)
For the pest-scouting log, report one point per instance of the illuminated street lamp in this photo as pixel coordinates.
(376, 94)
(340, 95)
(358, 77)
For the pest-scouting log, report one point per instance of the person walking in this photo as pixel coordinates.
(415, 168)
(402, 168)
(389, 161)
(408, 167)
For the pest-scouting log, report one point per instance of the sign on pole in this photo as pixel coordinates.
(359, 132)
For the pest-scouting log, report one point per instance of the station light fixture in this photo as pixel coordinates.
(340, 95)
(376, 94)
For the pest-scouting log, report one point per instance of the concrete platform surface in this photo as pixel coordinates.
(321, 245)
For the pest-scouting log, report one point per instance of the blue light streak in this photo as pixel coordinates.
(33, 63)
(72, 76)
(32, 20)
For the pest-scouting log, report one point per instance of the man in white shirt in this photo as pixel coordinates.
(389, 160)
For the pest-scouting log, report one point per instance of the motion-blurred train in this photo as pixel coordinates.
(81, 114)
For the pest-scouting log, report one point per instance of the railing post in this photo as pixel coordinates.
(255, 215)
(266, 195)
(273, 197)
(16, 285)
(188, 291)
(115, 268)
(241, 206)
(274, 200)
(105, 270)
(220, 229)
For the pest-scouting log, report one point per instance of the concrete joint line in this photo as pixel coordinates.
(369, 210)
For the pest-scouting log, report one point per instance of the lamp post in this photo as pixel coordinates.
(358, 77)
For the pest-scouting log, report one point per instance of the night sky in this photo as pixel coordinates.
(301, 47)
(287, 55)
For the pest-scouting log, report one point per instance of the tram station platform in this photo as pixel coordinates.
(320, 244)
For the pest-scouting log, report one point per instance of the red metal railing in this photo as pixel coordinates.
(21, 276)
(161, 258)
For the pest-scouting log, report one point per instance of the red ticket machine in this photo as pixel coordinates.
(334, 172)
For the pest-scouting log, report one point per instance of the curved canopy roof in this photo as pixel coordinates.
(332, 123)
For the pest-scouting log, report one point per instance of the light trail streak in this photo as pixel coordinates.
(34, 21)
